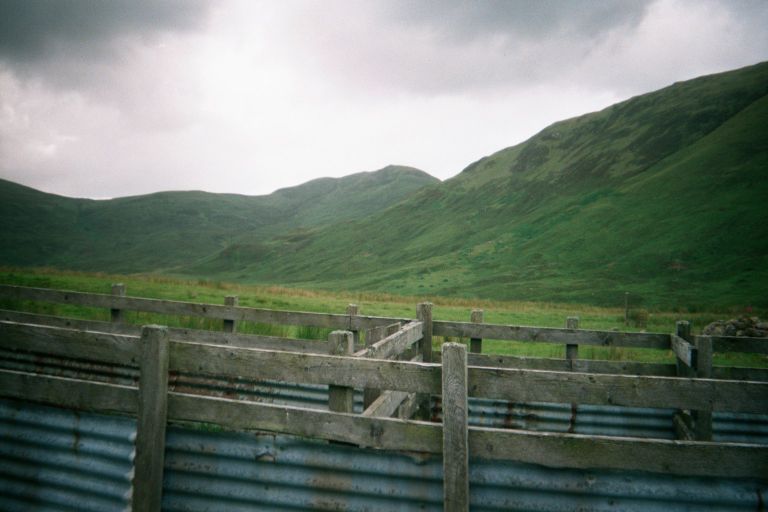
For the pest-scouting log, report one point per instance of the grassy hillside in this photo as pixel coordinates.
(662, 196)
(159, 232)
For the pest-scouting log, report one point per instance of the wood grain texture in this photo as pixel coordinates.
(394, 344)
(69, 393)
(455, 438)
(152, 419)
(386, 404)
(577, 451)
(305, 368)
(552, 335)
(117, 315)
(230, 325)
(341, 398)
(684, 351)
(93, 346)
(624, 390)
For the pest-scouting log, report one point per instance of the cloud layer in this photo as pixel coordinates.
(105, 99)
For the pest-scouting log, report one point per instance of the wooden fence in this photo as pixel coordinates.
(399, 371)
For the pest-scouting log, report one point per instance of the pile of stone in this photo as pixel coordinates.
(745, 326)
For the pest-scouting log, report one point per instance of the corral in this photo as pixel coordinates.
(108, 415)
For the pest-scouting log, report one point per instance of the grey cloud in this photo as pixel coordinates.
(462, 20)
(42, 37)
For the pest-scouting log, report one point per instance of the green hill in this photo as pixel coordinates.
(663, 196)
(162, 231)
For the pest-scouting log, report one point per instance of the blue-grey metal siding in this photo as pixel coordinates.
(55, 459)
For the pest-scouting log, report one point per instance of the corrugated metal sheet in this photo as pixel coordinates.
(57, 459)
(53, 459)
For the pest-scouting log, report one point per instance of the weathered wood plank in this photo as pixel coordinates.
(382, 433)
(394, 344)
(424, 315)
(305, 368)
(632, 391)
(341, 398)
(738, 373)
(386, 404)
(684, 351)
(70, 393)
(101, 347)
(580, 365)
(703, 417)
(552, 335)
(683, 426)
(152, 419)
(373, 335)
(589, 452)
(455, 439)
(169, 307)
(739, 344)
(177, 334)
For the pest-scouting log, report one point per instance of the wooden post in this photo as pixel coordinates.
(340, 398)
(476, 344)
(683, 330)
(152, 414)
(371, 337)
(703, 418)
(424, 315)
(354, 310)
(117, 315)
(229, 325)
(455, 432)
(572, 349)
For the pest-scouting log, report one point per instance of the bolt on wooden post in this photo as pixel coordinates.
(115, 314)
(455, 428)
(476, 344)
(340, 398)
(230, 325)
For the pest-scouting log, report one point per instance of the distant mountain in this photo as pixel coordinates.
(160, 232)
(664, 196)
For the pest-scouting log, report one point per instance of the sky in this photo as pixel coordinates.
(127, 97)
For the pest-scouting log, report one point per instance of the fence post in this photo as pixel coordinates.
(340, 398)
(703, 418)
(476, 344)
(370, 394)
(572, 349)
(683, 330)
(424, 315)
(152, 415)
(455, 433)
(117, 315)
(229, 325)
(353, 310)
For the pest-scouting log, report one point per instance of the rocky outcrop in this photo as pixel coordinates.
(745, 326)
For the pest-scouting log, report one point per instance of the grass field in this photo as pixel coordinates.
(377, 304)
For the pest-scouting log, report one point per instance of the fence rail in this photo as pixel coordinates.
(398, 371)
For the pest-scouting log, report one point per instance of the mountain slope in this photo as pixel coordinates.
(662, 195)
(158, 232)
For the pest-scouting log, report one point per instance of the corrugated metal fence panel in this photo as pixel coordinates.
(728, 427)
(581, 419)
(496, 486)
(210, 471)
(57, 459)
(54, 459)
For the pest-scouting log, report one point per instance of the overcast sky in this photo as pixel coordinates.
(124, 97)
